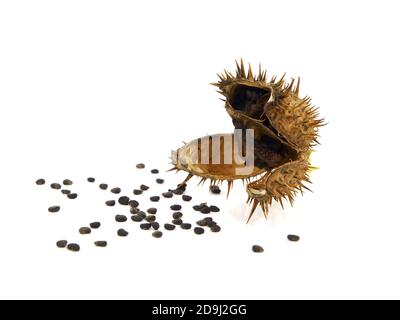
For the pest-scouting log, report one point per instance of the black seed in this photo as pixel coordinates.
(116, 190)
(177, 221)
(214, 209)
(134, 210)
(155, 198)
(62, 243)
(95, 225)
(110, 203)
(145, 226)
(133, 203)
(205, 210)
(257, 249)
(54, 209)
(72, 196)
(154, 171)
(137, 192)
(120, 218)
(169, 226)
(85, 230)
(56, 186)
(123, 200)
(152, 210)
(103, 186)
(142, 214)
(160, 181)
(186, 226)
(201, 223)
(136, 218)
(67, 182)
(176, 207)
(168, 194)
(292, 237)
(212, 224)
(157, 234)
(177, 215)
(178, 192)
(215, 189)
(150, 218)
(144, 187)
(186, 197)
(122, 232)
(91, 179)
(198, 230)
(155, 225)
(140, 166)
(101, 244)
(208, 220)
(196, 208)
(215, 228)
(74, 247)
(40, 182)
(64, 191)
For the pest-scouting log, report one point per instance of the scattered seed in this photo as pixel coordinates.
(215, 228)
(95, 225)
(169, 226)
(186, 226)
(137, 192)
(142, 214)
(168, 194)
(198, 230)
(155, 198)
(67, 182)
(74, 247)
(40, 182)
(201, 223)
(91, 180)
(208, 219)
(215, 189)
(62, 243)
(157, 234)
(160, 181)
(196, 208)
(186, 197)
(72, 196)
(214, 209)
(134, 210)
(150, 218)
(85, 230)
(133, 203)
(177, 215)
(140, 166)
(54, 209)
(152, 210)
(205, 210)
(176, 207)
(177, 221)
(116, 190)
(154, 171)
(292, 237)
(120, 218)
(122, 232)
(110, 203)
(178, 192)
(145, 226)
(155, 225)
(101, 244)
(103, 186)
(136, 218)
(257, 249)
(64, 191)
(56, 186)
(144, 187)
(123, 200)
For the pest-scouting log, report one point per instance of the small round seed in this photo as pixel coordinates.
(72, 196)
(215, 228)
(215, 189)
(155, 198)
(136, 218)
(186, 226)
(208, 219)
(122, 232)
(40, 182)
(61, 243)
(201, 223)
(95, 225)
(91, 180)
(145, 226)
(103, 186)
(214, 209)
(140, 166)
(101, 244)
(155, 225)
(160, 181)
(293, 238)
(198, 230)
(134, 210)
(205, 210)
(144, 187)
(67, 182)
(176, 207)
(56, 186)
(110, 203)
(54, 209)
(157, 234)
(152, 210)
(169, 226)
(124, 200)
(177, 215)
(150, 218)
(137, 192)
(133, 203)
(196, 208)
(178, 192)
(257, 249)
(186, 197)
(65, 191)
(177, 221)
(142, 214)
(116, 190)
(85, 230)
(120, 218)
(154, 171)
(167, 195)
(74, 247)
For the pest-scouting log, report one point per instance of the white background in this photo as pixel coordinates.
(90, 88)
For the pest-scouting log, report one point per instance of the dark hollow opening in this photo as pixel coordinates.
(250, 100)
